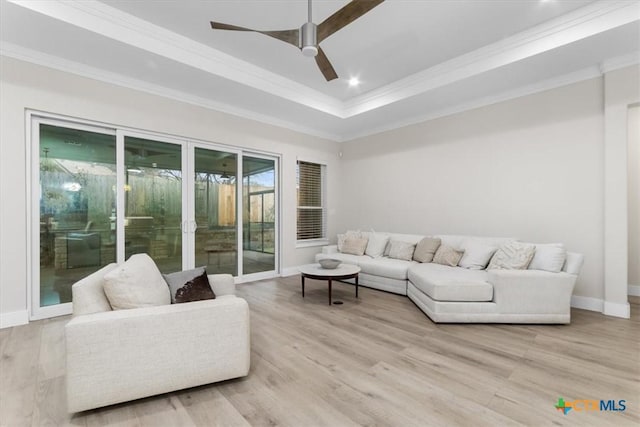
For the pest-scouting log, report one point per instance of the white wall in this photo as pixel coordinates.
(27, 86)
(633, 192)
(530, 168)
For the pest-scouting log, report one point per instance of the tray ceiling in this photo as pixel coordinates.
(415, 59)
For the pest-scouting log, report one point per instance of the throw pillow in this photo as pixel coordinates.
(549, 257)
(376, 245)
(426, 249)
(476, 255)
(189, 285)
(341, 238)
(136, 283)
(401, 250)
(354, 245)
(512, 256)
(447, 255)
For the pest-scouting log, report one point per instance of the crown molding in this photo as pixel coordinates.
(110, 22)
(587, 21)
(620, 62)
(567, 79)
(18, 52)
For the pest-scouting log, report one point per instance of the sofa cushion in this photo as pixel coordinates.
(401, 250)
(548, 257)
(88, 293)
(136, 283)
(512, 256)
(476, 254)
(447, 255)
(189, 285)
(426, 249)
(376, 245)
(444, 283)
(386, 267)
(354, 245)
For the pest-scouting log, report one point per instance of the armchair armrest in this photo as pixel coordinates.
(330, 249)
(122, 355)
(532, 291)
(222, 284)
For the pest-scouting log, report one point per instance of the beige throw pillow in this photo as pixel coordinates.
(447, 255)
(136, 283)
(401, 250)
(426, 249)
(512, 256)
(354, 245)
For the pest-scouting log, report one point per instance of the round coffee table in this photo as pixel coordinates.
(343, 272)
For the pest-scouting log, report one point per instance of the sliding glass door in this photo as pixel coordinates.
(73, 208)
(100, 195)
(153, 200)
(259, 214)
(215, 210)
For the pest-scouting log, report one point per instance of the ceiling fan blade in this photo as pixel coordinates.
(287, 36)
(325, 66)
(343, 17)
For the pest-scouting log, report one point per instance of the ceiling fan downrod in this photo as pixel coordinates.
(309, 36)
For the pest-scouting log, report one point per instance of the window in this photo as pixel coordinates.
(312, 216)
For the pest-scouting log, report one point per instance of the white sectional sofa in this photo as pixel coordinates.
(461, 295)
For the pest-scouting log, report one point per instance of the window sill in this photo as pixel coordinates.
(311, 243)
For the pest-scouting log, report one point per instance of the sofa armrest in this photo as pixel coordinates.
(123, 355)
(532, 291)
(330, 249)
(222, 284)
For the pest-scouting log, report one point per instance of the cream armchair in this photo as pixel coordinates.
(116, 356)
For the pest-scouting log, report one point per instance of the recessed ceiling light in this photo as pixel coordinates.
(353, 82)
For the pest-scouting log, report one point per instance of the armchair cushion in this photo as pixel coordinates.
(136, 283)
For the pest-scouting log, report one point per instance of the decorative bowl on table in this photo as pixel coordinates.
(329, 263)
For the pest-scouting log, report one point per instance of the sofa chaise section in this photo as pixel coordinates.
(464, 295)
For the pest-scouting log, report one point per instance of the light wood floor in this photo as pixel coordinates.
(375, 361)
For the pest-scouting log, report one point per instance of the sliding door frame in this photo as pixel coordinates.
(276, 262)
(33, 120)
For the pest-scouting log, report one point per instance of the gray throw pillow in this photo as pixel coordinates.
(426, 249)
(189, 285)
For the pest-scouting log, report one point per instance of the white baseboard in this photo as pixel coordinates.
(634, 290)
(617, 309)
(14, 318)
(289, 271)
(587, 303)
(607, 308)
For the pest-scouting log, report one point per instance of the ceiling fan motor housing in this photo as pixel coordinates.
(308, 39)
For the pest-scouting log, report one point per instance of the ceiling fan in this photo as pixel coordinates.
(309, 36)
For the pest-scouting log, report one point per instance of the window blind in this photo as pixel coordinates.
(311, 206)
